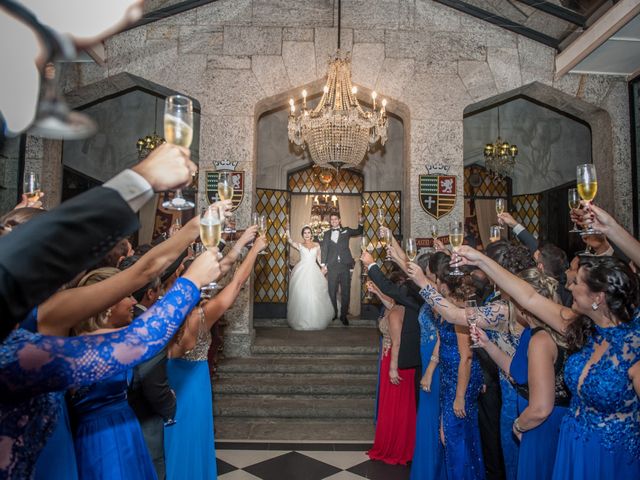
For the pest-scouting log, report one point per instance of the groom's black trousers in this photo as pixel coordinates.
(338, 275)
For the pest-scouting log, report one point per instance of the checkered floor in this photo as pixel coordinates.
(301, 461)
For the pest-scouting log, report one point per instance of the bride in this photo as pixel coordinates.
(309, 306)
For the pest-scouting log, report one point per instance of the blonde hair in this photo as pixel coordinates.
(99, 320)
(548, 288)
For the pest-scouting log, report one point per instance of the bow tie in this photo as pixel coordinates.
(335, 229)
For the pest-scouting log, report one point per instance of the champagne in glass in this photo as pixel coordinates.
(31, 186)
(410, 249)
(456, 236)
(587, 189)
(225, 192)
(210, 233)
(388, 240)
(381, 216)
(178, 130)
(471, 312)
(434, 231)
(500, 210)
(364, 246)
(494, 233)
(262, 230)
(574, 204)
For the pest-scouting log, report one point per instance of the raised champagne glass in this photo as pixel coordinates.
(587, 189)
(225, 192)
(178, 130)
(210, 233)
(410, 249)
(500, 210)
(471, 313)
(262, 230)
(456, 236)
(31, 186)
(574, 204)
(364, 247)
(494, 233)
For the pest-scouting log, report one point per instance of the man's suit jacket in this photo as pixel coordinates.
(44, 253)
(334, 253)
(407, 296)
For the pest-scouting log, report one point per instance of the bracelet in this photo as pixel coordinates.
(516, 426)
(435, 359)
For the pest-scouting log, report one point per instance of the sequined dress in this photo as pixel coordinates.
(396, 425)
(35, 369)
(189, 444)
(600, 436)
(463, 450)
(428, 457)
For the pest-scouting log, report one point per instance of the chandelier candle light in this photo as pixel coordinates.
(499, 156)
(338, 131)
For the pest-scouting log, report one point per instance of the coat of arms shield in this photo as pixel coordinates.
(437, 194)
(237, 179)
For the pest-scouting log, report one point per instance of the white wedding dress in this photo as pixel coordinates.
(309, 306)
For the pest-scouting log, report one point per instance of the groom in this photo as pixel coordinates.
(337, 263)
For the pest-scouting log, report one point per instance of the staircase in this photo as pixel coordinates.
(300, 386)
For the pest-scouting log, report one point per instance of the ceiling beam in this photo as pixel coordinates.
(598, 33)
(558, 12)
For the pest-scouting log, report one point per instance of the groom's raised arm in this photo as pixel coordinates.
(356, 232)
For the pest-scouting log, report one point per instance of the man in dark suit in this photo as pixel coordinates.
(337, 263)
(38, 257)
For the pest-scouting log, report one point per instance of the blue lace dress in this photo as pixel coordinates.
(538, 446)
(35, 369)
(600, 436)
(108, 438)
(463, 450)
(428, 456)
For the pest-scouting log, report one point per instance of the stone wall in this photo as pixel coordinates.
(430, 62)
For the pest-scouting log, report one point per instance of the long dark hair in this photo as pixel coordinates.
(619, 284)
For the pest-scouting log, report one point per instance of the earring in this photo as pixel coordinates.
(594, 306)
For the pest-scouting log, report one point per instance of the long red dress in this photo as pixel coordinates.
(396, 426)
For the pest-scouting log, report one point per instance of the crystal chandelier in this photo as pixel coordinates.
(499, 156)
(338, 131)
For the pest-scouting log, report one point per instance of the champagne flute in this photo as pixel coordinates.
(456, 235)
(410, 249)
(31, 186)
(262, 230)
(434, 231)
(587, 189)
(471, 313)
(225, 192)
(367, 296)
(381, 216)
(574, 204)
(210, 233)
(494, 233)
(178, 129)
(499, 210)
(364, 246)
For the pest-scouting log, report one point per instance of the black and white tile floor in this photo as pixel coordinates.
(301, 461)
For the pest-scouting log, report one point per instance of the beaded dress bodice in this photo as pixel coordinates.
(606, 402)
(383, 326)
(200, 352)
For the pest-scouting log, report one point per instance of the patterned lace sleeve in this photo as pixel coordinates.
(493, 316)
(31, 364)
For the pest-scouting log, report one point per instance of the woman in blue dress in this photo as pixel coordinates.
(600, 435)
(189, 443)
(460, 383)
(537, 370)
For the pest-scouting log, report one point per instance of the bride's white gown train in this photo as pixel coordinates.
(309, 306)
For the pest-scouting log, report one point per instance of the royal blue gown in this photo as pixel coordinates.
(108, 438)
(428, 456)
(189, 444)
(538, 446)
(600, 435)
(31, 388)
(463, 450)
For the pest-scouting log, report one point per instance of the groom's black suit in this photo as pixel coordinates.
(337, 257)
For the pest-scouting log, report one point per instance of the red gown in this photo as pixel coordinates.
(396, 426)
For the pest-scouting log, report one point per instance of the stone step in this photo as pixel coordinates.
(287, 384)
(344, 341)
(299, 430)
(273, 365)
(282, 322)
(301, 407)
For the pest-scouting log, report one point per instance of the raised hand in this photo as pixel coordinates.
(507, 219)
(247, 236)
(466, 255)
(417, 275)
(204, 269)
(479, 337)
(167, 167)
